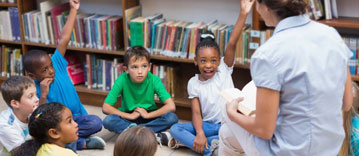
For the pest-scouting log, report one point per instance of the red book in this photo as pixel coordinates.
(75, 69)
(55, 11)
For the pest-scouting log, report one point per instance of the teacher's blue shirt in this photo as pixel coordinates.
(307, 63)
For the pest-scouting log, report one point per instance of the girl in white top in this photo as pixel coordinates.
(215, 75)
(52, 127)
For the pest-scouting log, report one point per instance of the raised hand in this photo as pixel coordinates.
(75, 4)
(246, 6)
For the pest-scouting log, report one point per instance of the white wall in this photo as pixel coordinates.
(349, 8)
(225, 11)
(104, 7)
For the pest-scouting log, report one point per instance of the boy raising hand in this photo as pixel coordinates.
(54, 85)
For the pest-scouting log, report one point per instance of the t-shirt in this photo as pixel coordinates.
(13, 132)
(354, 138)
(306, 62)
(62, 90)
(137, 94)
(54, 150)
(207, 92)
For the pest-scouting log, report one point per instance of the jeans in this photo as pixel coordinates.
(185, 133)
(117, 124)
(88, 125)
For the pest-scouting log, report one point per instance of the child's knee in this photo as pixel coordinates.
(171, 118)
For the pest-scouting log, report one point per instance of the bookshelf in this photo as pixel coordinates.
(343, 22)
(185, 68)
(8, 5)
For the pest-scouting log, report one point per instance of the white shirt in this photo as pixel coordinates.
(207, 92)
(13, 132)
(307, 63)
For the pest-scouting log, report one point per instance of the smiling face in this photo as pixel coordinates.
(44, 69)
(138, 69)
(207, 60)
(68, 128)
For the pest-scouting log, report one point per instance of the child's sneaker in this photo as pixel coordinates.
(129, 126)
(214, 147)
(95, 142)
(165, 138)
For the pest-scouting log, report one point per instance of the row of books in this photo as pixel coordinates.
(90, 30)
(7, 1)
(353, 44)
(9, 24)
(167, 76)
(326, 9)
(11, 64)
(180, 38)
(101, 74)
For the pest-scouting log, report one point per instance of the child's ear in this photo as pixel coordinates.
(31, 75)
(195, 60)
(54, 134)
(14, 104)
(125, 69)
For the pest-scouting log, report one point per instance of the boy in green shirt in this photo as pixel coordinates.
(137, 87)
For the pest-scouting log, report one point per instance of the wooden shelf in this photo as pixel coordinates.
(3, 78)
(8, 5)
(121, 53)
(10, 42)
(343, 22)
(86, 50)
(355, 78)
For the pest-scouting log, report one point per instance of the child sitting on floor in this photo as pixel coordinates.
(136, 141)
(19, 93)
(137, 87)
(52, 127)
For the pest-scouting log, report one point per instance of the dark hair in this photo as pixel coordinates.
(137, 52)
(207, 40)
(30, 59)
(45, 117)
(13, 88)
(286, 8)
(136, 141)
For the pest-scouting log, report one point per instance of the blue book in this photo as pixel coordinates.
(108, 66)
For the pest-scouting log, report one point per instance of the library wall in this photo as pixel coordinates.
(225, 11)
(348, 8)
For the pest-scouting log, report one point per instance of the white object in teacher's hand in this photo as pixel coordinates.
(249, 93)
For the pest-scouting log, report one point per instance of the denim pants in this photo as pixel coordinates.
(185, 133)
(117, 124)
(88, 125)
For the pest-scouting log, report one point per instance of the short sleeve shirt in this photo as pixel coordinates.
(137, 94)
(13, 132)
(208, 92)
(307, 63)
(62, 89)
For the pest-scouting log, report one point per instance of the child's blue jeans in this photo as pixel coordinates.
(185, 134)
(88, 125)
(117, 124)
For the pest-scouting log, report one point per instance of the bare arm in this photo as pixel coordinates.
(246, 6)
(348, 93)
(108, 109)
(200, 141)
(264, 123)
(169, 106)
(68, 28)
